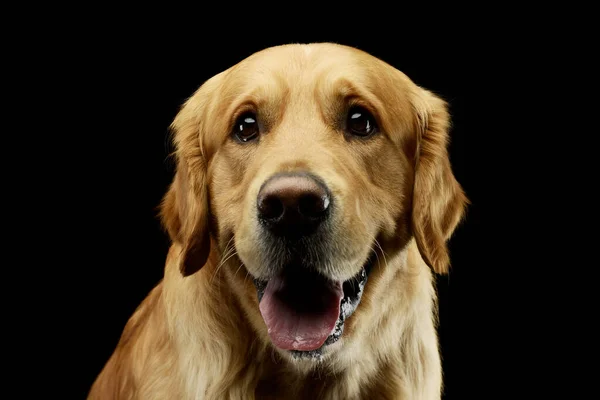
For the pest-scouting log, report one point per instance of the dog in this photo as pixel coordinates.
(311, 206)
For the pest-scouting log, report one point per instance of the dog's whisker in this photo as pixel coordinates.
(229, 245)
(227, 254)
(376, 255)
(382, 253)
(222, 263)
(238, 269)
(228, 248)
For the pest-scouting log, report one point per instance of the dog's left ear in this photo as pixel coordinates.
(438, 199)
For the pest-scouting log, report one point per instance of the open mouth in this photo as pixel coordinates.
(305, 311)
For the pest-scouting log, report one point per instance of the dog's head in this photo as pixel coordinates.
(306, 164)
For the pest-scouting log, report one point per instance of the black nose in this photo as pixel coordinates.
(293, 204)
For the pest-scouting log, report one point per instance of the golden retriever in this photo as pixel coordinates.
(312, 200)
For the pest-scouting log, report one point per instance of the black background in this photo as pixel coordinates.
(125, 90)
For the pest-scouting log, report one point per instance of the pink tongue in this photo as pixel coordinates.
(300, 321)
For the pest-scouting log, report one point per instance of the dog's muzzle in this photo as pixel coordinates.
(304, 310)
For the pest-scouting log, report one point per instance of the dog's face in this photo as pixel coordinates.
(306, 164)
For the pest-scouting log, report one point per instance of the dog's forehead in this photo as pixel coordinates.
(310, 62)
(320, 73)
(308, 54)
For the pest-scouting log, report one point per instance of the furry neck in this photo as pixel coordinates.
(216, 340)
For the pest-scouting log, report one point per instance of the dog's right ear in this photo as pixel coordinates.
(184, 214)
(184, 211)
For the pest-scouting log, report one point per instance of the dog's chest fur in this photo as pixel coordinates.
(186, 342)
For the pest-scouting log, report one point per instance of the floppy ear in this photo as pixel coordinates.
(438, 199)
(184, 209)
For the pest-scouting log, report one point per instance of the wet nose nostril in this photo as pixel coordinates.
(293, 204)
(313, 205)
(270, 207)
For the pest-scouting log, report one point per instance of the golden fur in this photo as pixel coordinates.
(199, 333)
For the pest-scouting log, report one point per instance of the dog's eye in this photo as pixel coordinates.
(246, 127)
(360, 122)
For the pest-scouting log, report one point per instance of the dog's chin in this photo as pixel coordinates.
(305, 311)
